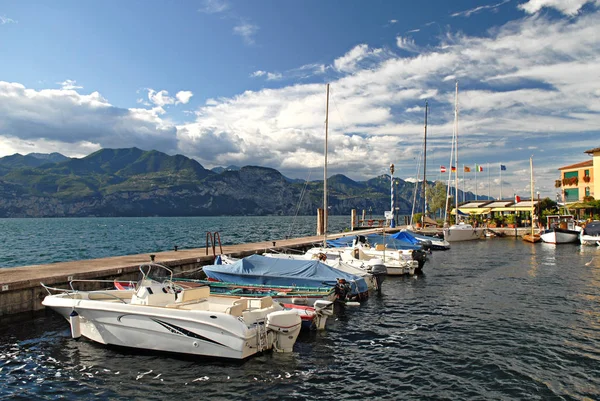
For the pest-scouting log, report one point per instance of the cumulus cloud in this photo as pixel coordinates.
(183, 97)
(358, 57)
(567, 7)
(62, 115)
(246, 31)
(69, 84)
(534, 80)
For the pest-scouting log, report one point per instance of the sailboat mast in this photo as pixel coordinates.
(531, 184)
(325, 173)
(456, 150)
(425, 169)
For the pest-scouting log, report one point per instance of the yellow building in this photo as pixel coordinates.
(577, 180)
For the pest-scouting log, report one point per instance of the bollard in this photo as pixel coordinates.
(152, 258)
(175, 248)
(273, 243)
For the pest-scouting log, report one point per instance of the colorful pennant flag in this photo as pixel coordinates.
(479, 168)
(467, 169)
(442, 169)
(453, 168)
(517, 199)
(502, 167)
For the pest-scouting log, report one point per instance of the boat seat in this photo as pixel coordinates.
(193, 294)
(236, 310)
(379, 247)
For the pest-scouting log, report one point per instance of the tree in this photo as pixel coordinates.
(437, 196)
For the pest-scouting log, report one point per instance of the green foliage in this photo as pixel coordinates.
(437, 196)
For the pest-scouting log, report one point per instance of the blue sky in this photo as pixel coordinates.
(243, 82)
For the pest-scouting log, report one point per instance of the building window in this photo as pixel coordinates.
(572, 195)
(571, 174)
(586, 173)
(587, 191)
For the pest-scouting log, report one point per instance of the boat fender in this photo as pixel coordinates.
(75, 322)
(321, 256)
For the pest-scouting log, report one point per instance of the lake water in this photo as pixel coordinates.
(492, 319)
(40, 241)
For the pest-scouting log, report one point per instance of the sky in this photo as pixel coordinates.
(244, 83)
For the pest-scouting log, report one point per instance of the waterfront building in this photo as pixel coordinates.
(576, 183)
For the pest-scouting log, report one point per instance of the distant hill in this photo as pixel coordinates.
(50, 157)
(134, 182)
(219, 170)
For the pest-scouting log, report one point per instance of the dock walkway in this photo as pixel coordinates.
(20, 289)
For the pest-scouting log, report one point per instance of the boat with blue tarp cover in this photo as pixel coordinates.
(257, 269)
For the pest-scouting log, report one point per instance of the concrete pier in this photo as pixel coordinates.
(20, 289)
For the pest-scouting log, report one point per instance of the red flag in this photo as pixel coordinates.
(517, 199)
(442, 169)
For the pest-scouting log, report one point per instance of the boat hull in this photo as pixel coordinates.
(560, 236)
(194, 332)
(459, 233)
(589, 240)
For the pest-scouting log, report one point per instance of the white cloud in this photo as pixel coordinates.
(393, 21)
(246, 31)
(214, 6)
(273, 76)
(532, 81)
(567, 7)
(407, 44)
(69, 84)
(357, 57)
(468, 13)
(79, 121)
(5, 20)
(160, 98)
(183, 97)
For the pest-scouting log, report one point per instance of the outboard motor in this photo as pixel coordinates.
(342, 290)
(427, 245)
(421, 257)
(379, 271)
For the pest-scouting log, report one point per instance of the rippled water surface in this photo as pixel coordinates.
(40, 241)
(491, 319)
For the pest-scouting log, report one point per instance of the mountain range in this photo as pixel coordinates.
(134, 182)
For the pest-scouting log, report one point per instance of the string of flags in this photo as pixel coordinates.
(467, 169)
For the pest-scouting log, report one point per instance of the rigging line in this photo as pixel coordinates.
(412, 213)
(338, 110)
(299, 203)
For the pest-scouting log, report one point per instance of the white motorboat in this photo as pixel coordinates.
(462, 232)
(433, 243)
(590, 235)
(561, 229)
(155, 315)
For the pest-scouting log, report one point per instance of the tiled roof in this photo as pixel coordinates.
(588, 163)
(592, 150)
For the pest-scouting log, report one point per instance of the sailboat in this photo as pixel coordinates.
(431, 242)
(460, 231)
(532, 237)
